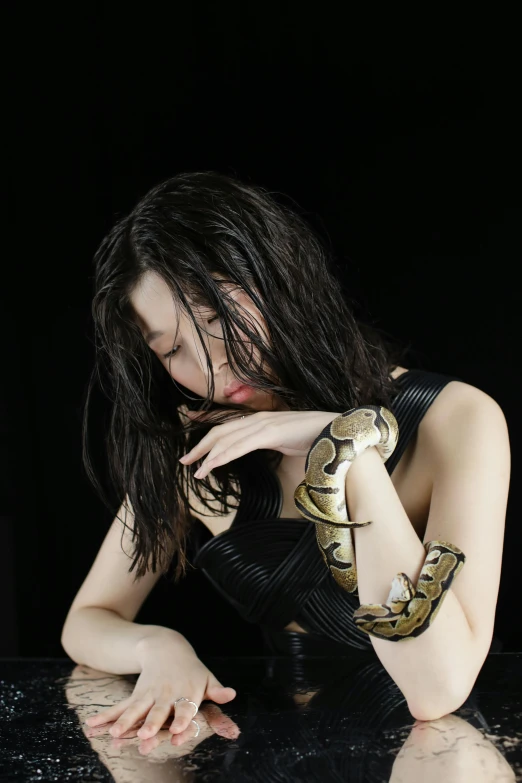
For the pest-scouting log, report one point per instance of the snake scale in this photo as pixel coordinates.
(321, 498)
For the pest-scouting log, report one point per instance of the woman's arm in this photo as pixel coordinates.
(467, 439)
(99, 630)
(102, 639)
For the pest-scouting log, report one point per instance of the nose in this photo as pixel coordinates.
(221, 376)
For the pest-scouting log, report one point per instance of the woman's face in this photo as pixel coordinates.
(185, 360)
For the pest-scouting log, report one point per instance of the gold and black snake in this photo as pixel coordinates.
(321, 499)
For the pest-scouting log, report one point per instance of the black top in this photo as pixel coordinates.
(270, 568)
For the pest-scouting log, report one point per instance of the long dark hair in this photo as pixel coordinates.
(198, 230)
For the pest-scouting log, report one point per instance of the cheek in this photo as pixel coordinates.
(185, 379)
(172, 372)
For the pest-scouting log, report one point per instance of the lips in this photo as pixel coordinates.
(232, 387)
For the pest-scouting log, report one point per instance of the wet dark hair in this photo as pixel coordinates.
(201, 231)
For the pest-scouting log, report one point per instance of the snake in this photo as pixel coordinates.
(321, 498)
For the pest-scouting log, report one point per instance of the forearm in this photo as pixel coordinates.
(431, 669)
(102, 639)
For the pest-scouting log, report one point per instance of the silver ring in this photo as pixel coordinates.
(242, 417)
(182, 698)
(198, 727)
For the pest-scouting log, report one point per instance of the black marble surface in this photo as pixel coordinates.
(296, 719)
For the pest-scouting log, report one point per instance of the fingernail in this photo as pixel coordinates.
(183, 458)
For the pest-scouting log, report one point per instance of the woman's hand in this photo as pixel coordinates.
(290, 432)
(169, 670)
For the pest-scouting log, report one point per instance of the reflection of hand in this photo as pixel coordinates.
(210, 719)
(125, 756)
(170, 669)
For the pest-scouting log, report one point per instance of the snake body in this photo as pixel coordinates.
(321, 499)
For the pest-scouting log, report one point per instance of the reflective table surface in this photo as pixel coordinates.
(296, 719)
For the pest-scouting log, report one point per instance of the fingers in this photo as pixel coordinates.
(220, 694)
(217, 720)
(147, 716)
(218, 435)
(219, 455)
(154, 721)
(221, 723)
(111, 713)
(215, 688)
(192, 731)
(184, 713)
(130, 717)
(125, 716)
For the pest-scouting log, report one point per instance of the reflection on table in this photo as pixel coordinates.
(294, 718)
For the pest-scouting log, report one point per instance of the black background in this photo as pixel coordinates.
(403, 150)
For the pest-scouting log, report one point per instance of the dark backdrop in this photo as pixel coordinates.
(403, 152)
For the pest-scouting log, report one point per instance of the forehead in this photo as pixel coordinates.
(152, 301)
(152, 296)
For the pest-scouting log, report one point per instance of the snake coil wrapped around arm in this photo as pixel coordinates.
(321, 498)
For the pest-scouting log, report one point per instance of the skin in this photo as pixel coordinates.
(156, 312)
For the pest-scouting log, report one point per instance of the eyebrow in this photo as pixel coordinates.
(152, 336)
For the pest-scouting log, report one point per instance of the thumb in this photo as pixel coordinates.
(218, 692)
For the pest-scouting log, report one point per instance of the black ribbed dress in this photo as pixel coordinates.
(270, 568)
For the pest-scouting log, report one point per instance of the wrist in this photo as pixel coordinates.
(157, 639)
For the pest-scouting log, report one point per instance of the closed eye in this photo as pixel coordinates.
(174, 350)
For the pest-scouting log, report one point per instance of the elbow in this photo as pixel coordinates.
(68, 646)
(448, 703)
(459, 681)
(442, 700)
(65, 645)
(63, 639)
(450, 698)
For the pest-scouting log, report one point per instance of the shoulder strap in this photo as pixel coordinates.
(417, 389)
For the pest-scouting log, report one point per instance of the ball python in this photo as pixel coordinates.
(321, 499)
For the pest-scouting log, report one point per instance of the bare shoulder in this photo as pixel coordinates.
(462, 412)
(458, 398)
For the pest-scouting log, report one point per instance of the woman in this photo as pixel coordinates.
(212, 296)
